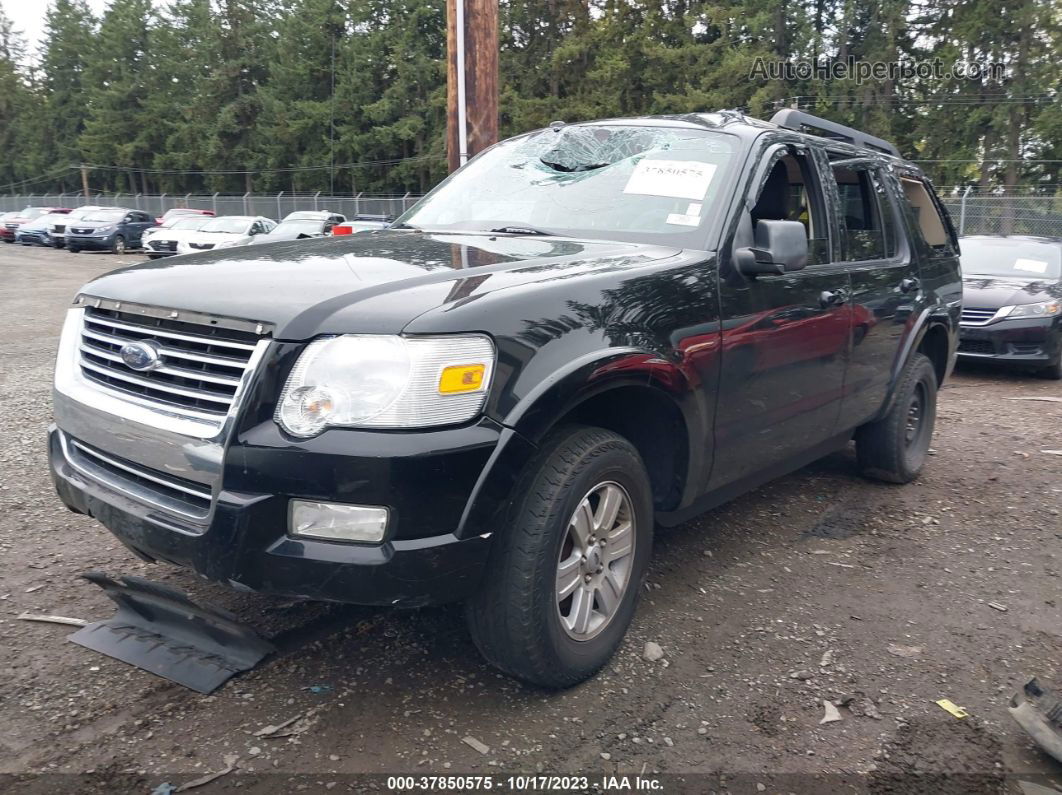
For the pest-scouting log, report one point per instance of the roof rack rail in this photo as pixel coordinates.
(804, 122)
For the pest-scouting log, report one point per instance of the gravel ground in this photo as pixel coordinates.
(819, 586)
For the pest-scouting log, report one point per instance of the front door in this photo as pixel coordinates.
(785, 339)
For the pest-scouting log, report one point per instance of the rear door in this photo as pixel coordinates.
(785, 337)
(883, 269)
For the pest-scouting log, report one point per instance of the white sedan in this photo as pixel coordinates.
(161, 241)
(228, 230)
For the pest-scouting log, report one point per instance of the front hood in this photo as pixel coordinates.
(992, 292)
(168, 234)
(194, 236)
(92, 224)
(287, 234)
(351, 283)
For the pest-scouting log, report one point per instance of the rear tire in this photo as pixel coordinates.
(553, 608)
(894, 448)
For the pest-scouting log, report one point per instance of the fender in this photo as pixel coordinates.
(931, 316)
(550, 400)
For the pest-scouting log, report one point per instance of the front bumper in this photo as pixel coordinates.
(33, 239)
(1034, 342)
(244, 542)
(90, 242)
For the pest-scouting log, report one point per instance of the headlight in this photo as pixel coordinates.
(1041, 309)
(103, 230)
(379, 381)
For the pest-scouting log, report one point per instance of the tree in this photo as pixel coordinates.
(117, 130)
(69, 44)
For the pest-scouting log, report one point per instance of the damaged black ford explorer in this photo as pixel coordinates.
(586, 332)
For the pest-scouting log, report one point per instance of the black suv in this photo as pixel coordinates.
(587, 330)
(1012, 302)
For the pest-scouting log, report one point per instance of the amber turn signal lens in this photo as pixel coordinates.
(461, 378)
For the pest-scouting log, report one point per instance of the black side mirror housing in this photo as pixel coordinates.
(780, 247)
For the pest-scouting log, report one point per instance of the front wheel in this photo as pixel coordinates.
(565, 571)
(118, 246)
(895, 447)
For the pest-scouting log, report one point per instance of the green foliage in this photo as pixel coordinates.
(349, 95)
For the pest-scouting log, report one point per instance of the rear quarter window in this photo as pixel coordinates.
(932, 221)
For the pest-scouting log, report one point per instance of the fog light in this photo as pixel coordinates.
(334, 522)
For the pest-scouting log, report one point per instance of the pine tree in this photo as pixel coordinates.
(118, 84)
(68, 47)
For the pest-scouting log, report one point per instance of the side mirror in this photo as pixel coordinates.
(781, 247)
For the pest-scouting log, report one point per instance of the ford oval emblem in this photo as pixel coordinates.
(141, 356)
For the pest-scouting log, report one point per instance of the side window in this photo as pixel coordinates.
(792, 192)
(932, 223)
(869, 222)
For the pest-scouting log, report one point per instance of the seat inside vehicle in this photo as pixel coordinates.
(785, 197)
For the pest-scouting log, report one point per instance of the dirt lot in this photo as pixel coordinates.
(819, 586)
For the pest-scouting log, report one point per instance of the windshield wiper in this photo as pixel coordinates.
(521, 230)
(405, 226)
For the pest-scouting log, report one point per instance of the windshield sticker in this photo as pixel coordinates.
(683, 220)
(678, 179)
(1030, 265)
(694, 208)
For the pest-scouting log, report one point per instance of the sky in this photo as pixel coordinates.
(28, 16)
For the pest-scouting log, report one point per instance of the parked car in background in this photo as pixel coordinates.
(585, 332)
(161, 241)
(361, 223)
(301, 225)
(1012, 302)
(35, 232)
(116, 230)
(225, 231)
(174, 211)
(57, 231)
(12, 223)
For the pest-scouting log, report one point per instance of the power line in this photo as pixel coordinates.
(208, 172)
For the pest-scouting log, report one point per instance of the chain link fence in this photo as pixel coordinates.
(1006, 214)
(981, 214)
(274, 206)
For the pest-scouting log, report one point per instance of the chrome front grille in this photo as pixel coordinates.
(975, 316)
(160, 489)
(201, 366)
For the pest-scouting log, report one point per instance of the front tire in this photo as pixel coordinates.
(895, 447)
(564, 573)
(118, 245)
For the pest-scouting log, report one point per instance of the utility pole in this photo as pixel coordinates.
(471, 78)
(84, 179)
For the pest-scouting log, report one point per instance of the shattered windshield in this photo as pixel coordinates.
(643, 184)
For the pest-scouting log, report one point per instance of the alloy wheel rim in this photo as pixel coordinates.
(595, 561)
(119, 246)
(915, 416)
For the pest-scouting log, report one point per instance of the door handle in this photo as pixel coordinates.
(828, 298)
(909, 284)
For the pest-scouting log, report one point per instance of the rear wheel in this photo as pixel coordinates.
(118, 246)
(73, 249)
(895, 448)
(564, 574)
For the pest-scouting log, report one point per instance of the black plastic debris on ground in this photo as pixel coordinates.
(162, 631)
(1039, 712)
